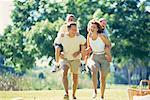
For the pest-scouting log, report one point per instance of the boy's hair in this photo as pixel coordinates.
(69, 15)
(102, 19)
(70, 24)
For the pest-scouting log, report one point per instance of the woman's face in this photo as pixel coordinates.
(93, 28)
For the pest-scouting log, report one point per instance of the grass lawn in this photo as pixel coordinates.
(82, 94)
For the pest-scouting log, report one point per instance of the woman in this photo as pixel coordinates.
(96, 42)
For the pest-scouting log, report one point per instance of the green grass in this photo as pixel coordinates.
(82, 94)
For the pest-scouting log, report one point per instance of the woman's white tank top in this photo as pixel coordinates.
(97, 45)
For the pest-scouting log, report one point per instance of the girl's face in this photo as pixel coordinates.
(93, 28)
(103, 23)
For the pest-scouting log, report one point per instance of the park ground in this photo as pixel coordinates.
(82, 94)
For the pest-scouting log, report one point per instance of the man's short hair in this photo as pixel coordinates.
(70, 24)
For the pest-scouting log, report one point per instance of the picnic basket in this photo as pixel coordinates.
(140, 91)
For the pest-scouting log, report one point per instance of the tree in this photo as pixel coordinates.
(130, 33)
(36, 22)
(20, 50)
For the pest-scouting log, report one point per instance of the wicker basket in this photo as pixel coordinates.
(139, 92)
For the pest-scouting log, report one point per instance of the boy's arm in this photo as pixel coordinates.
(57, 48)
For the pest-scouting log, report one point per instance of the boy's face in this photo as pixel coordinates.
(71, 19)
(73, 29)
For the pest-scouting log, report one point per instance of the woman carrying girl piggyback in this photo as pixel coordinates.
(97, 44)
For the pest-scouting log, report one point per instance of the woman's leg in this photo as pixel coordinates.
(103, 82)
(94, 79)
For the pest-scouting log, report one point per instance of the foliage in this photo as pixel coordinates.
(36, 22)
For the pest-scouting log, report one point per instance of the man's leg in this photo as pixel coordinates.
(65, 79)
(75, 84)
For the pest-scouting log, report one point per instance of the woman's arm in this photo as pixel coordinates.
(88, 50)
(105, 40)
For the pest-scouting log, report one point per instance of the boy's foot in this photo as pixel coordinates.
(55, 67)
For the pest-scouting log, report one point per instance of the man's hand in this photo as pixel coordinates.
(76, 54)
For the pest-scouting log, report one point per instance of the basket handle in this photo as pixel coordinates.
(146, 81)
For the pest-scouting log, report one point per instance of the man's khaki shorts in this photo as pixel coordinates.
(72, 64)
(99, 62)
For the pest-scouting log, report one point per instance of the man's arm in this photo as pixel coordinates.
(83, 54)
(88, 49)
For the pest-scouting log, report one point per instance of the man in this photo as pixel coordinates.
(71, 44)
(63, 30)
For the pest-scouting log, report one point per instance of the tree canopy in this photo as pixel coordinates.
(36, 23)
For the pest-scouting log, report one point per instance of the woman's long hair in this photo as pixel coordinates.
(100, 29)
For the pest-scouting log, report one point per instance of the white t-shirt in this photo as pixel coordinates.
(70, 45)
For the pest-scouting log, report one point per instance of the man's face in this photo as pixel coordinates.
(73, 29)
(71, 19)
(103, 23)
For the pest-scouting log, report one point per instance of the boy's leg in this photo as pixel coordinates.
(57, 54)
